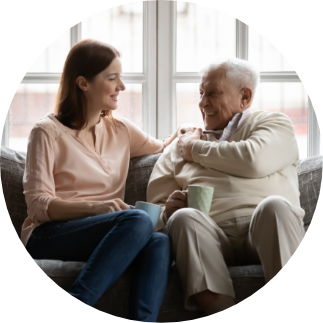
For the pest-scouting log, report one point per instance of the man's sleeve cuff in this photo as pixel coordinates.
(196, 150)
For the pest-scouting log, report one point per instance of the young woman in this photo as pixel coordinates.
(74, 184)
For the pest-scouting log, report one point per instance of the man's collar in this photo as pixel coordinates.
(235, 123)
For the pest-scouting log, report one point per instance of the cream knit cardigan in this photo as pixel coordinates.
(258, 160)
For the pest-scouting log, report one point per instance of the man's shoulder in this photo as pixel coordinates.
(258, 116)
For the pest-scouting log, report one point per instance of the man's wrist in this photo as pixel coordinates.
(195, 151)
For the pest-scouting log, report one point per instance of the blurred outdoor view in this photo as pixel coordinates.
(203, 35)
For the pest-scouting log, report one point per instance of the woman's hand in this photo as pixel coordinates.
(110, 206)
(185, 128)
(181, 130)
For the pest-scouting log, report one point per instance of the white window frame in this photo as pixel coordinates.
(168, 77)
(148, 78)
(159, 77)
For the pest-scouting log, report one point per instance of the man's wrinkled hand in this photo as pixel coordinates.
(177, 200)
(186, 142)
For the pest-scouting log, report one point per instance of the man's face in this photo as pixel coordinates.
(219, 99)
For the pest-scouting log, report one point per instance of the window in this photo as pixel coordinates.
(162, 53)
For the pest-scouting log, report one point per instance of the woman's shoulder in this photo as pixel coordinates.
(120, 123)
(48, 126)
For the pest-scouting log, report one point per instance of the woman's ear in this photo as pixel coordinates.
(82, 83)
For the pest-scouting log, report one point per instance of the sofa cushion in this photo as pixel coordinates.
(309, 179)
(139, 172)
(12, 170)
(246, 281)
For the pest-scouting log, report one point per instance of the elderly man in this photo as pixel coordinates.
(250, 159)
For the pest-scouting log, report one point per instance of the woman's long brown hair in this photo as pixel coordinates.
(86, 58)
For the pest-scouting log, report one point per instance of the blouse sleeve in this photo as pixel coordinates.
(38, 179)
(141, 143)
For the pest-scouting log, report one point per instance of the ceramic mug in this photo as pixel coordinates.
(200, 198)
(153, 210)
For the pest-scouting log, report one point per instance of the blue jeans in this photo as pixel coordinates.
(109, 243)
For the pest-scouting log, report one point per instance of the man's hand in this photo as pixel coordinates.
(177, 200)
(186, 142)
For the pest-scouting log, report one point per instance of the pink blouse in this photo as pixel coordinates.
(61, 164)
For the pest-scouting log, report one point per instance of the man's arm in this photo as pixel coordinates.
(271, 147)
(162, 184)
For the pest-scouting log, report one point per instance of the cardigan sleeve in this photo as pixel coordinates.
(38, 179)
(141, 143)
(162, 183)
(270, 147)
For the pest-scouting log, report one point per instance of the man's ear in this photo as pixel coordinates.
(246, 95)
(82, 83)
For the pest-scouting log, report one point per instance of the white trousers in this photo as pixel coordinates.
(203, 249)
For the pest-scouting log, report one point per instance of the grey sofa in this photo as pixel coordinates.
(246, 279)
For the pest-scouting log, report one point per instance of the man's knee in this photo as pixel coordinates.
(272, 207)
(182, 218)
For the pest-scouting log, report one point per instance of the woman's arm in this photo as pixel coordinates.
(59, 210)
(142, 143)
(181, 130)
(38, 180)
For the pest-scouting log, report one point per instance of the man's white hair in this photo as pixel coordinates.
(240, 72)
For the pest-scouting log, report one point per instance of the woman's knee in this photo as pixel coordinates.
(162, 245)
(161, 239)
(138, 220)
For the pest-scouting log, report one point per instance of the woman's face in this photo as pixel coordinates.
(103, 91)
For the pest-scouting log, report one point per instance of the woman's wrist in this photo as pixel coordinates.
(170, 139)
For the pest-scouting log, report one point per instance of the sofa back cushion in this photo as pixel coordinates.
(12, 170)
(13, 165)
(140, 169)
(309, 182)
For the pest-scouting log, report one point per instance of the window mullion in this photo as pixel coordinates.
(149, 87)
(166, 98)
(242, 40)
(76, 33)
(313, 138)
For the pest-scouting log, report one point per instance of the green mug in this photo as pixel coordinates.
(200, 198)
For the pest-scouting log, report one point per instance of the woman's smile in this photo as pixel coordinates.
(114, 97)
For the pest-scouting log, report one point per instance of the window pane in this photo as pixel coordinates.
(122, 27)
(187, 100)
(203, 35)
(33, 101)
(289, 98)
(130, 104)
(53, 58)
(30, 103)
(264, 55)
